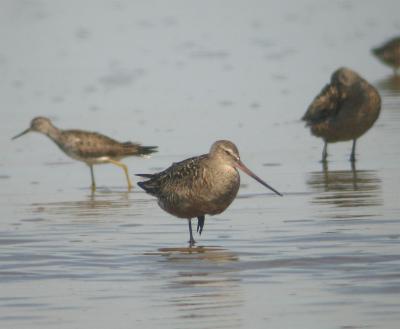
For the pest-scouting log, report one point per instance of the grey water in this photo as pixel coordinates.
(180, 75)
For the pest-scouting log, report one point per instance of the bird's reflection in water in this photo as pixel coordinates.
(390, 85)
(203, 287)
(389, 89)
(347, 193)
(100, 205)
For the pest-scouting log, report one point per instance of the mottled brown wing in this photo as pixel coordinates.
(91, 145)
(326, 104)
(94, 145)
(180, 174)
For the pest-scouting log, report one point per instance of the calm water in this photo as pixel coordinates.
(181, 75)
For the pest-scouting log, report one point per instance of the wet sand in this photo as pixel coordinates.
(180, 75)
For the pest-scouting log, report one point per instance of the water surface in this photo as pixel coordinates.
(182, 75)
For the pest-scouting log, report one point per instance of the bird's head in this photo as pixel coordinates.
(38, 124)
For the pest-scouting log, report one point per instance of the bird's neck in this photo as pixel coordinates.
(53, 133)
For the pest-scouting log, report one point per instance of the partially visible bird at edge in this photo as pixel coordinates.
(344, 110)
(89, 147)
(389, 54)
(199, 186)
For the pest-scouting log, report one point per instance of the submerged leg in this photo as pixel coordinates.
(191, 240)
(353, 151)
(325, 152)
(92, 175)
(200, 224)
(125, 168)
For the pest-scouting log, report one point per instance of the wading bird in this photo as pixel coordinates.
(389, 53)
(344, 110)
(89, 147)
(199, 186)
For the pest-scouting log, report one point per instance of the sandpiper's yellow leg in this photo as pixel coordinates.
(125, 168)
(92, 175)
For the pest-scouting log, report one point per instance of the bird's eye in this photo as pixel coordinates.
(227, 152)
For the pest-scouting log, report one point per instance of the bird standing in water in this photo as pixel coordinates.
(199, 186)
(89, 147)
(389, 53)
(344, 110)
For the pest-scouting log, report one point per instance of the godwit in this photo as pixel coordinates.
(199, 186)
(344, 110)
(389, 53)
(89, 147)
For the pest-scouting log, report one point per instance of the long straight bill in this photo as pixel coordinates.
(23, 133)
(242, 167)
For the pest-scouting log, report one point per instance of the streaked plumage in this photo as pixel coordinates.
(89, 147)
(344, 110)
(199, 186)
(389, 53)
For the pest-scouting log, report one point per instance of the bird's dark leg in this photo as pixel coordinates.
(92, 175)
(354, 178)
(353, 167)
(191, 240)
(353, 151)
(325, 152)
(200, 224)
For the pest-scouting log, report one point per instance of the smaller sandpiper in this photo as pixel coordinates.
(89, 147)
(199, 186)
(389, 53)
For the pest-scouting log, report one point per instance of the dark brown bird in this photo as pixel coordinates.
(199, 186)
(344, 110)
(89, 147)
(389, 53)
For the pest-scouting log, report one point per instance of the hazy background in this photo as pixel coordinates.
(180, 75)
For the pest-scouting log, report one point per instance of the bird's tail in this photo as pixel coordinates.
(376, 51)
(137, 149)
(142, 185)
(144, 175)
(149, 185)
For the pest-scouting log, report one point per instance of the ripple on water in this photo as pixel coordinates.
(200, 287)
(100, 205)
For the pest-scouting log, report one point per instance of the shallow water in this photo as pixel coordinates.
(182, 75)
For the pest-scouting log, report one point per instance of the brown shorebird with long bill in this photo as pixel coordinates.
(89, 147)
(199, 186)
(344, 110)
(389, 54)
